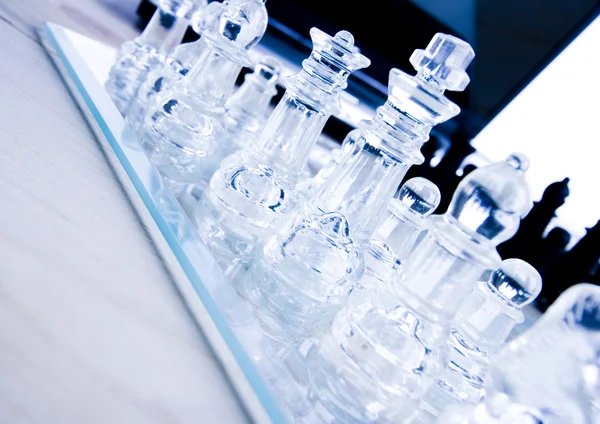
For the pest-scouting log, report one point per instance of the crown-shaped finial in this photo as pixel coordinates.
(444, 62)
(325, 71)
(334, 58)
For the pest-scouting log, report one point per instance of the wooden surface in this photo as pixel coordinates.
(92, 329)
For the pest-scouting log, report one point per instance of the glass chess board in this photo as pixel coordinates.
(252, 362)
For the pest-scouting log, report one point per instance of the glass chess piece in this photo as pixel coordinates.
(245, 114)
(305, 272)
(137, 57)
(399, 230)
(253, 189)
(181, 124)
(387, 344)
(162, 76)
(481, 326)
(550, 374)
(247, 110)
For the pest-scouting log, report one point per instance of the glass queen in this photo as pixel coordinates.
(253, 188)
(386, 346)
(306, 271)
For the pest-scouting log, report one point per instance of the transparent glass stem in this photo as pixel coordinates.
(441, 276)
(361, 188)
(290, 133)
(213, 76)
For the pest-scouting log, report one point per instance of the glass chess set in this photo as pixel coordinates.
(335, 296)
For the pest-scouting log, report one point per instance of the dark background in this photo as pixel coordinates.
(513, 39)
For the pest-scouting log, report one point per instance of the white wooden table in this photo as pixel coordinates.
(92, 329)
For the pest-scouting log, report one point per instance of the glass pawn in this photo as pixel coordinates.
(387, 344)
(550, 374)
(253, 188)
(306, 271)
(137, 57)
(175, 67)
(247, 110)
(483, 322)
(182, 123)
(399, 230)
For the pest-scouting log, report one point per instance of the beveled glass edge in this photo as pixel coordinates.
(146, 180)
